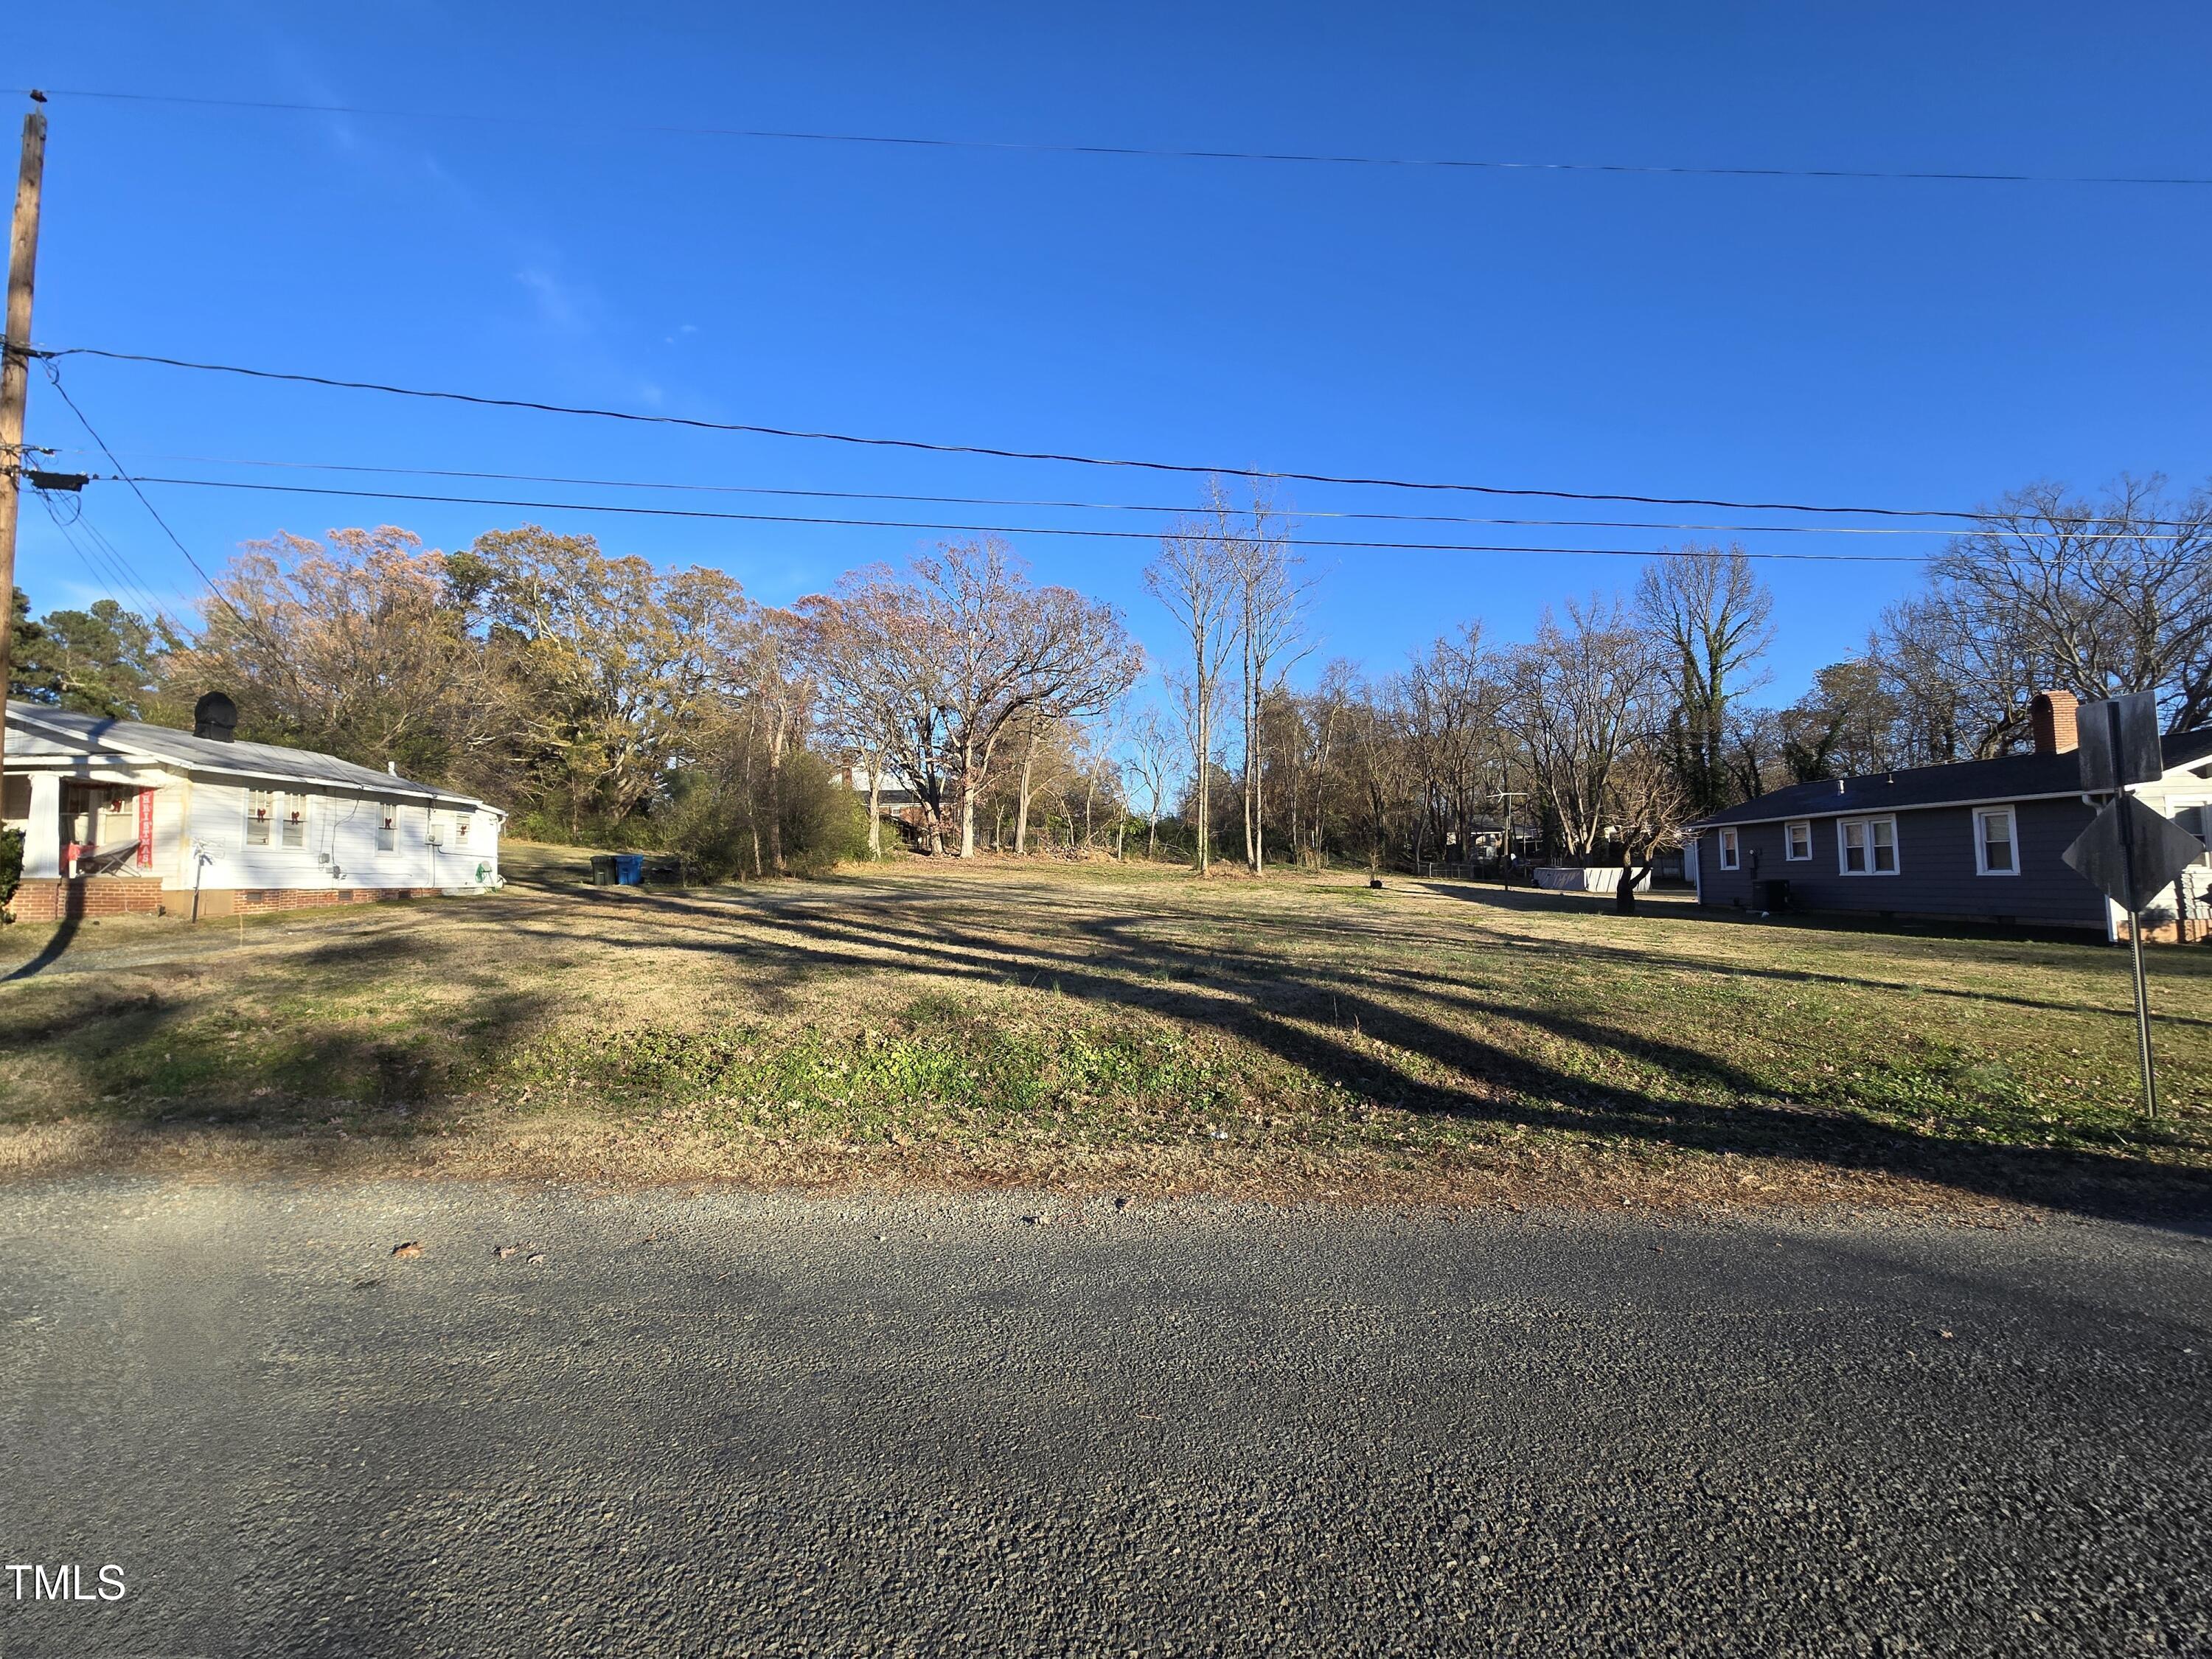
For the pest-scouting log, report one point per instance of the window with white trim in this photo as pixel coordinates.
(387, 825)
(260, 815)
(1866, 846)
(1731, 851)
(292, 821)
(1797, 841)
(1997, 841)
(461, 829)
(2195, 816)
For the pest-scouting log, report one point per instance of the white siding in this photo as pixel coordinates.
(340, 849)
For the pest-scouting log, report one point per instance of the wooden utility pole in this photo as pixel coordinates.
(15, 379)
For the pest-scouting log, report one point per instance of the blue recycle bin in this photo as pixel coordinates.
(629, 869)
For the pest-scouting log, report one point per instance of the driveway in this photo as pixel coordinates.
(767, 1425)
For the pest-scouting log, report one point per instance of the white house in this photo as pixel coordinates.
(119, 816)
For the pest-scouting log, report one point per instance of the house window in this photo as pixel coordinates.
(294, 820)
(387, 825)
(461, 829)
(1867, 847)
(1798, 842)
(1997, 841)
(2195, 817)
(260, 813)
(1729, 850)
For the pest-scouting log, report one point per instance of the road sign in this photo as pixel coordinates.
(2132, 853)
(2118, 740)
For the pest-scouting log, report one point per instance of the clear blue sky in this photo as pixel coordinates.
(1921, 345)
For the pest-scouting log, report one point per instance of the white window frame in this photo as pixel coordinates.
(1731, 850)
(461, 831)
(1844, 827)
(2177, 805)
(268, 822)
(1790, 853)
(291, 816)
(387, 826)
(1982, 841)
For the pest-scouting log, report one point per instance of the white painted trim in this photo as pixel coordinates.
(1731, 842)
(1869, 819)
(1981, 841)
(1788, 857)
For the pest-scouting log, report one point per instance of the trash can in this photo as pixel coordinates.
(629, 869)
(1772, 894)
(602, 869)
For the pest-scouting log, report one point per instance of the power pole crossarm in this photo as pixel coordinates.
(16, 378)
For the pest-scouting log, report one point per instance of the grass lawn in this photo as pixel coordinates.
(1101, 1028)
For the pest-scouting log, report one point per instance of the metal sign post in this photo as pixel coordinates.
(2130, 852)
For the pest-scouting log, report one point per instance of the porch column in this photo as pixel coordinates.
(42, 836)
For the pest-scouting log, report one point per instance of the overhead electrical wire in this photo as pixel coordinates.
(753, 428)
(599, 123)
(101, 559)
(968, 529)
(1184, 508)
(54, 376)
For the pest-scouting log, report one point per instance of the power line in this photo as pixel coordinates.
(696, 424)
(54, 375)
(1182, 507)
(106, 561)
(969, 529)
(903, 141)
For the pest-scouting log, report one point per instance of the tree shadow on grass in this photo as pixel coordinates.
(2191, 967)
(1409, 1033)
(1318, 1016)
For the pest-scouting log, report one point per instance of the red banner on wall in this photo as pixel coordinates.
(145, 828)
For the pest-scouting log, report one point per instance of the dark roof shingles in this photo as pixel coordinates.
(2007, 777)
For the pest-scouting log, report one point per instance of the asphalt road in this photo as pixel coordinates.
(927, 1425)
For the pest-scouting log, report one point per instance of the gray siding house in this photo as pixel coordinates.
(1979, 840)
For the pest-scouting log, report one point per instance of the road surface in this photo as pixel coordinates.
(766, 1424)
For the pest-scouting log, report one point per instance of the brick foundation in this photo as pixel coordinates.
(92, 895)
(126, 896)
(254, 901)
(2194, 930)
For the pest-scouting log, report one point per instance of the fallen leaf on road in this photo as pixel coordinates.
(411, 1247)
(503, 1251)
(537, 1256)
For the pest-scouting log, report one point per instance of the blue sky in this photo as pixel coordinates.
(1920, 344)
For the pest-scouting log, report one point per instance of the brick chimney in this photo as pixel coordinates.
(2051, 716)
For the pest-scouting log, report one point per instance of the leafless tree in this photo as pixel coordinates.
(1270, 603)
(1152, 751)
(2053, 590)
(1582, 695)
(1716, 618)
(1013, 651)
(1195, 578)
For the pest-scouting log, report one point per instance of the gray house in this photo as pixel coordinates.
(1979, 840)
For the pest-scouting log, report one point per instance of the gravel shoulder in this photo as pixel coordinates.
(1013, 1423)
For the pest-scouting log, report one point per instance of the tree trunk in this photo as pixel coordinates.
(775, 793)
(1022, 798)
(1205, 804)
(875, 808)
(1624, 900)
(967, 800)
(1152, 831)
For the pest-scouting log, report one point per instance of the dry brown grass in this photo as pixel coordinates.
(1100, 1027)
